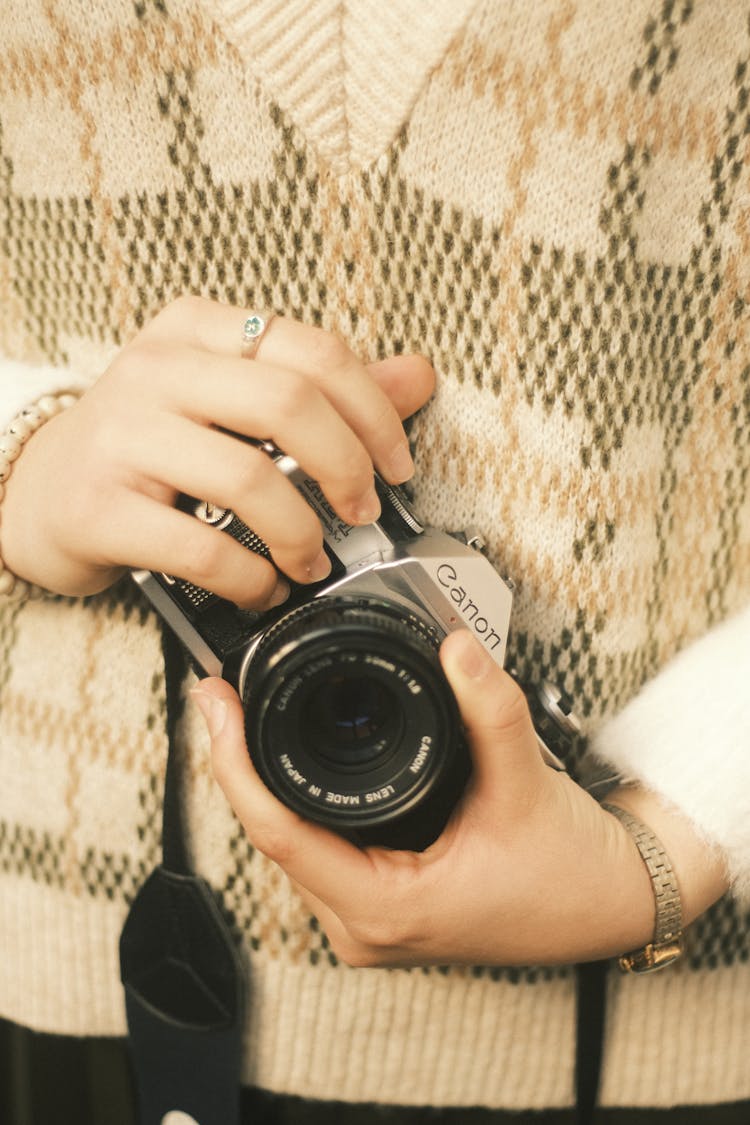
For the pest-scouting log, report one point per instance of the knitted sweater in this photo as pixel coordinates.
(549, 200)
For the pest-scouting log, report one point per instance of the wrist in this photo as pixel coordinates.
(666, 944)
(699, 867)
(12, 442)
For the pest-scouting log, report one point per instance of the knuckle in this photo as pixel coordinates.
(136, 362)
(272, 843)
(328, 352)
(293, 396)
(249, 470)
(185, 309)
(106, 454)
(511, 712)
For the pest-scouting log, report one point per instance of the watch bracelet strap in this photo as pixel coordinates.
(666, 945)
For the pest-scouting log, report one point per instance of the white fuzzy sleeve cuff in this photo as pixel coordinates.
(22, 384)
(686, 736)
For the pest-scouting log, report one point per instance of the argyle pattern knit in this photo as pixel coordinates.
(548, 200)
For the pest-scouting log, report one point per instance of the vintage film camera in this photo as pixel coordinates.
(348, 717)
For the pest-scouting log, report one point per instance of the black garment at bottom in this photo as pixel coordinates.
(55, 1080)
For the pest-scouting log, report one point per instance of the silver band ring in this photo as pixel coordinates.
(252, 332)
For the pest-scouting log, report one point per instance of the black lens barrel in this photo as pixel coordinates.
(351, 722)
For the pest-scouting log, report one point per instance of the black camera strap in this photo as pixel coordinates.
(591, 1006)
(557, 726)
(181, 969)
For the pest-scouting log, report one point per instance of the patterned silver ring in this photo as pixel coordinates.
(252, 332)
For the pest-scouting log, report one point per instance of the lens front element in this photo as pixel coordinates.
(350, 719)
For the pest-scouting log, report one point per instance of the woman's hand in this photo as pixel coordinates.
(529, 870)
(94, 490)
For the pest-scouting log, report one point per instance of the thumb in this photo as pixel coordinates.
(222, 711)
(496, 717)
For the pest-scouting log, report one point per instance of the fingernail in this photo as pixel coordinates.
(368, 509)
(279, 595)
(214, 710)
(473, 660)
(400, 464)
(320, 568)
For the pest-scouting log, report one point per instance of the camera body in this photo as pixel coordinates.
(349, 718)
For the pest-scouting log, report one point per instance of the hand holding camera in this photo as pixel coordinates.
(349, 718)
(528, 870)
(94, 491)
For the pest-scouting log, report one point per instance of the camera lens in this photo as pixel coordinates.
(350, 721)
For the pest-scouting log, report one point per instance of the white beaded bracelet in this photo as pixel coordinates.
(12, 442)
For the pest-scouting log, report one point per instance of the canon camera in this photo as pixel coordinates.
(348, 716)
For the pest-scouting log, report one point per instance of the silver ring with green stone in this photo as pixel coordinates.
(252, 331)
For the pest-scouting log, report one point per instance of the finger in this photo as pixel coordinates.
(407, 380)
(496, 719)
(149, 535)
(329, 867)
(290, 345)
(207, 325)
(346, 383)
(256, 400)
(216, 467)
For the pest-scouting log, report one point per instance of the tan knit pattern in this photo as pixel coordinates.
(550, 200)
(348, 74)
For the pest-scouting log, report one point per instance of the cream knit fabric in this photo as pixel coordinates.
(551, 201)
